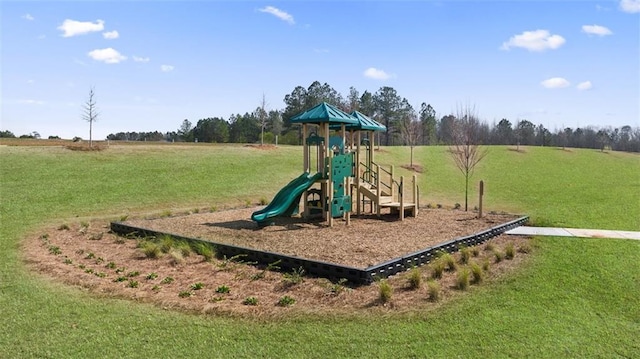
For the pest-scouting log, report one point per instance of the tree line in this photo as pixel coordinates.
(405, 124)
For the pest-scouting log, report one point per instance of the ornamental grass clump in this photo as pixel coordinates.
(477, 274)
(385, 291)
(509, 251)
(414, 278)
(462, 279)
(433, 290)
(437, 268)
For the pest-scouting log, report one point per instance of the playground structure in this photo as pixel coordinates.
(334, 174)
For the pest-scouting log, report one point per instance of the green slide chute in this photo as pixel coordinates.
(286, 201)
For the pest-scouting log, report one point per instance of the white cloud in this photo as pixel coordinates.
(586, 85)
(376, 74)
(555, 83)
(596, 30)
(31, 102)
(108, 55)
(28, 17)
(166, 68)
(73, 27)
(140, 59)
(282, 15)
(630, 6)
(538, 40)
(111, 35)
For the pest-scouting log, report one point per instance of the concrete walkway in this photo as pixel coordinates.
(573, 232)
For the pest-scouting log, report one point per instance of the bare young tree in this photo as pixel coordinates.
(90, 113)
(410, 130)
(263, 117)
(465, 148)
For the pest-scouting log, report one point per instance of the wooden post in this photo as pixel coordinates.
(357, 194)
(480, 199)
(347, 181)
(401, 189)
(416, 201)
(306, 168)
(392, 189)
(378, 194)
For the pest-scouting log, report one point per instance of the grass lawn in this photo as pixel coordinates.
(576, 298)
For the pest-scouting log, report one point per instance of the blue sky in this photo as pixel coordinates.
(156, 63)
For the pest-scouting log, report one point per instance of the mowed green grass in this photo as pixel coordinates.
(577, 298)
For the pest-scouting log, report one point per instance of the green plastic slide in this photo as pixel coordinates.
(285, 203)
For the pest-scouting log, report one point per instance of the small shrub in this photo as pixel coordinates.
(96, 236)
(88, 270)
(213, 208)
(223, 289)
(152, 276)
(167, 280)
(465, 254)
(263, 201)
(120, 270)
(385, 291)
(462, 280)
(525, 248)
(156, 288)
(437, 268)
(477, 275)
(124, 217)
(247, 203)
(133, 274)
(449, 262)
(439, 206)
(196, 210)
(90, 255)
(339, 287)
(63, 227)
(184, 248)
(176, 257)
(185, 294)
(489, 247)
(295, 277)
(55, 250)
(101, 274)
(120, 279)
(486, 265)
(151, 249)
(216, 299)
(204, 250)
(499, 256)
(68, 261)
(509, 251)
(44, 237)
(82, 266)
(286, 301)
(99, 260)
(166, 244)
(414, 278)
(250, 301)
(457, 206)
(433, 290)
(165, 213)
(132, 283)
(475, 251)
(111, 265)
(84, 224)
(197, 286)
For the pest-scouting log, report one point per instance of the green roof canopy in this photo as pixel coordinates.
(366, 123)
(324, 113)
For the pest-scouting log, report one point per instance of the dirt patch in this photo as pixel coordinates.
(89, 256)
(266, 147)
(414, 168)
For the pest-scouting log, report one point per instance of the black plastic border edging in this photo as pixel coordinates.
(331, 270)
(394, 266)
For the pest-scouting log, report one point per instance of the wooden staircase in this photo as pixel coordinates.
(387, 193)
